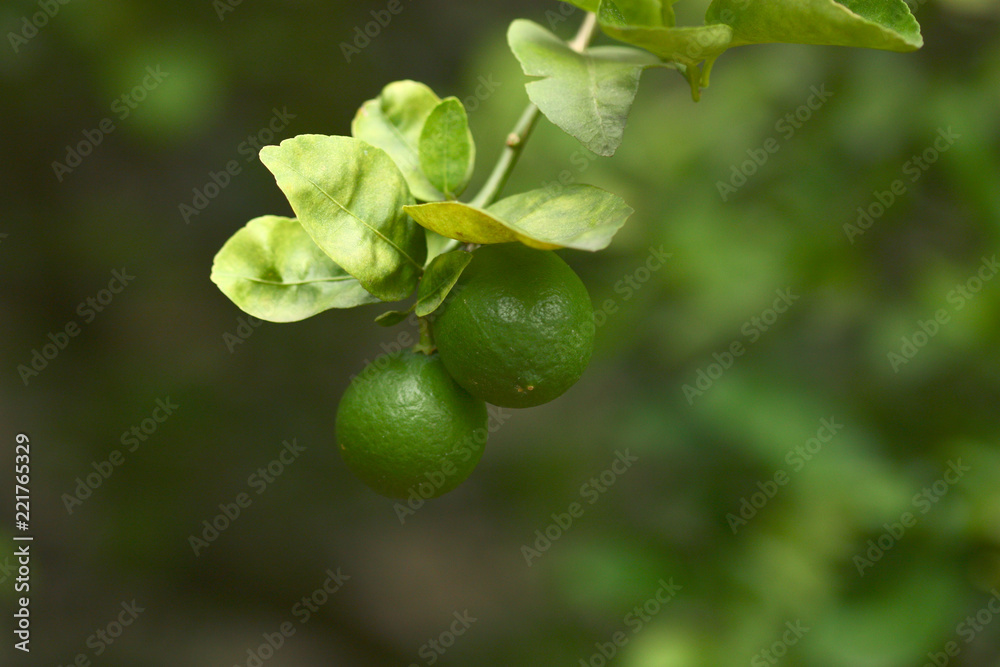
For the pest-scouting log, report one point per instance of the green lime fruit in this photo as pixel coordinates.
(518, 329)
(405, 426)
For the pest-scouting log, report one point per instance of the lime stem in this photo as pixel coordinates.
(426, 343)
(513, 148)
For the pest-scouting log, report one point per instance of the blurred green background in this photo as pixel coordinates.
(669, 518)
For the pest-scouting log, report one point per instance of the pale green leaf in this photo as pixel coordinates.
(348, 195)
(581, 217)
(439, 278)
(447, 151)
(274, 271)
(588, 95)
(393, 121)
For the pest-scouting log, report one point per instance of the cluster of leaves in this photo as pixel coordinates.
(360, 236)
(355, 238)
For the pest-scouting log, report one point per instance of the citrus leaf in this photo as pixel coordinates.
(393, 121)
(274, 271)
(460, 221)
(581, 217)
(588, 95)
(447, 151)
(439, 278)
(688, 46)
(874, 24)
(348, 196)
(391, 318)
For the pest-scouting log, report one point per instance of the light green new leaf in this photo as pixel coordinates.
(581, 217)
(394, 121)
(588, 95)
(447, 151)
(439, 279)
(348, 195)
(874, 24)
(273, 270)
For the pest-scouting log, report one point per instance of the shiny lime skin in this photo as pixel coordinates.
(518, 329)
(405, 426)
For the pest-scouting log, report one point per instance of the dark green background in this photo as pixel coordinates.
(664, 518)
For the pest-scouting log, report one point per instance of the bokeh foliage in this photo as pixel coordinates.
(666, 516)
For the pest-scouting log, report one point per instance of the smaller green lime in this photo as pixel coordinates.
(405, 426)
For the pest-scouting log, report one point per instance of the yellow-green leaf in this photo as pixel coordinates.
(581, 217)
